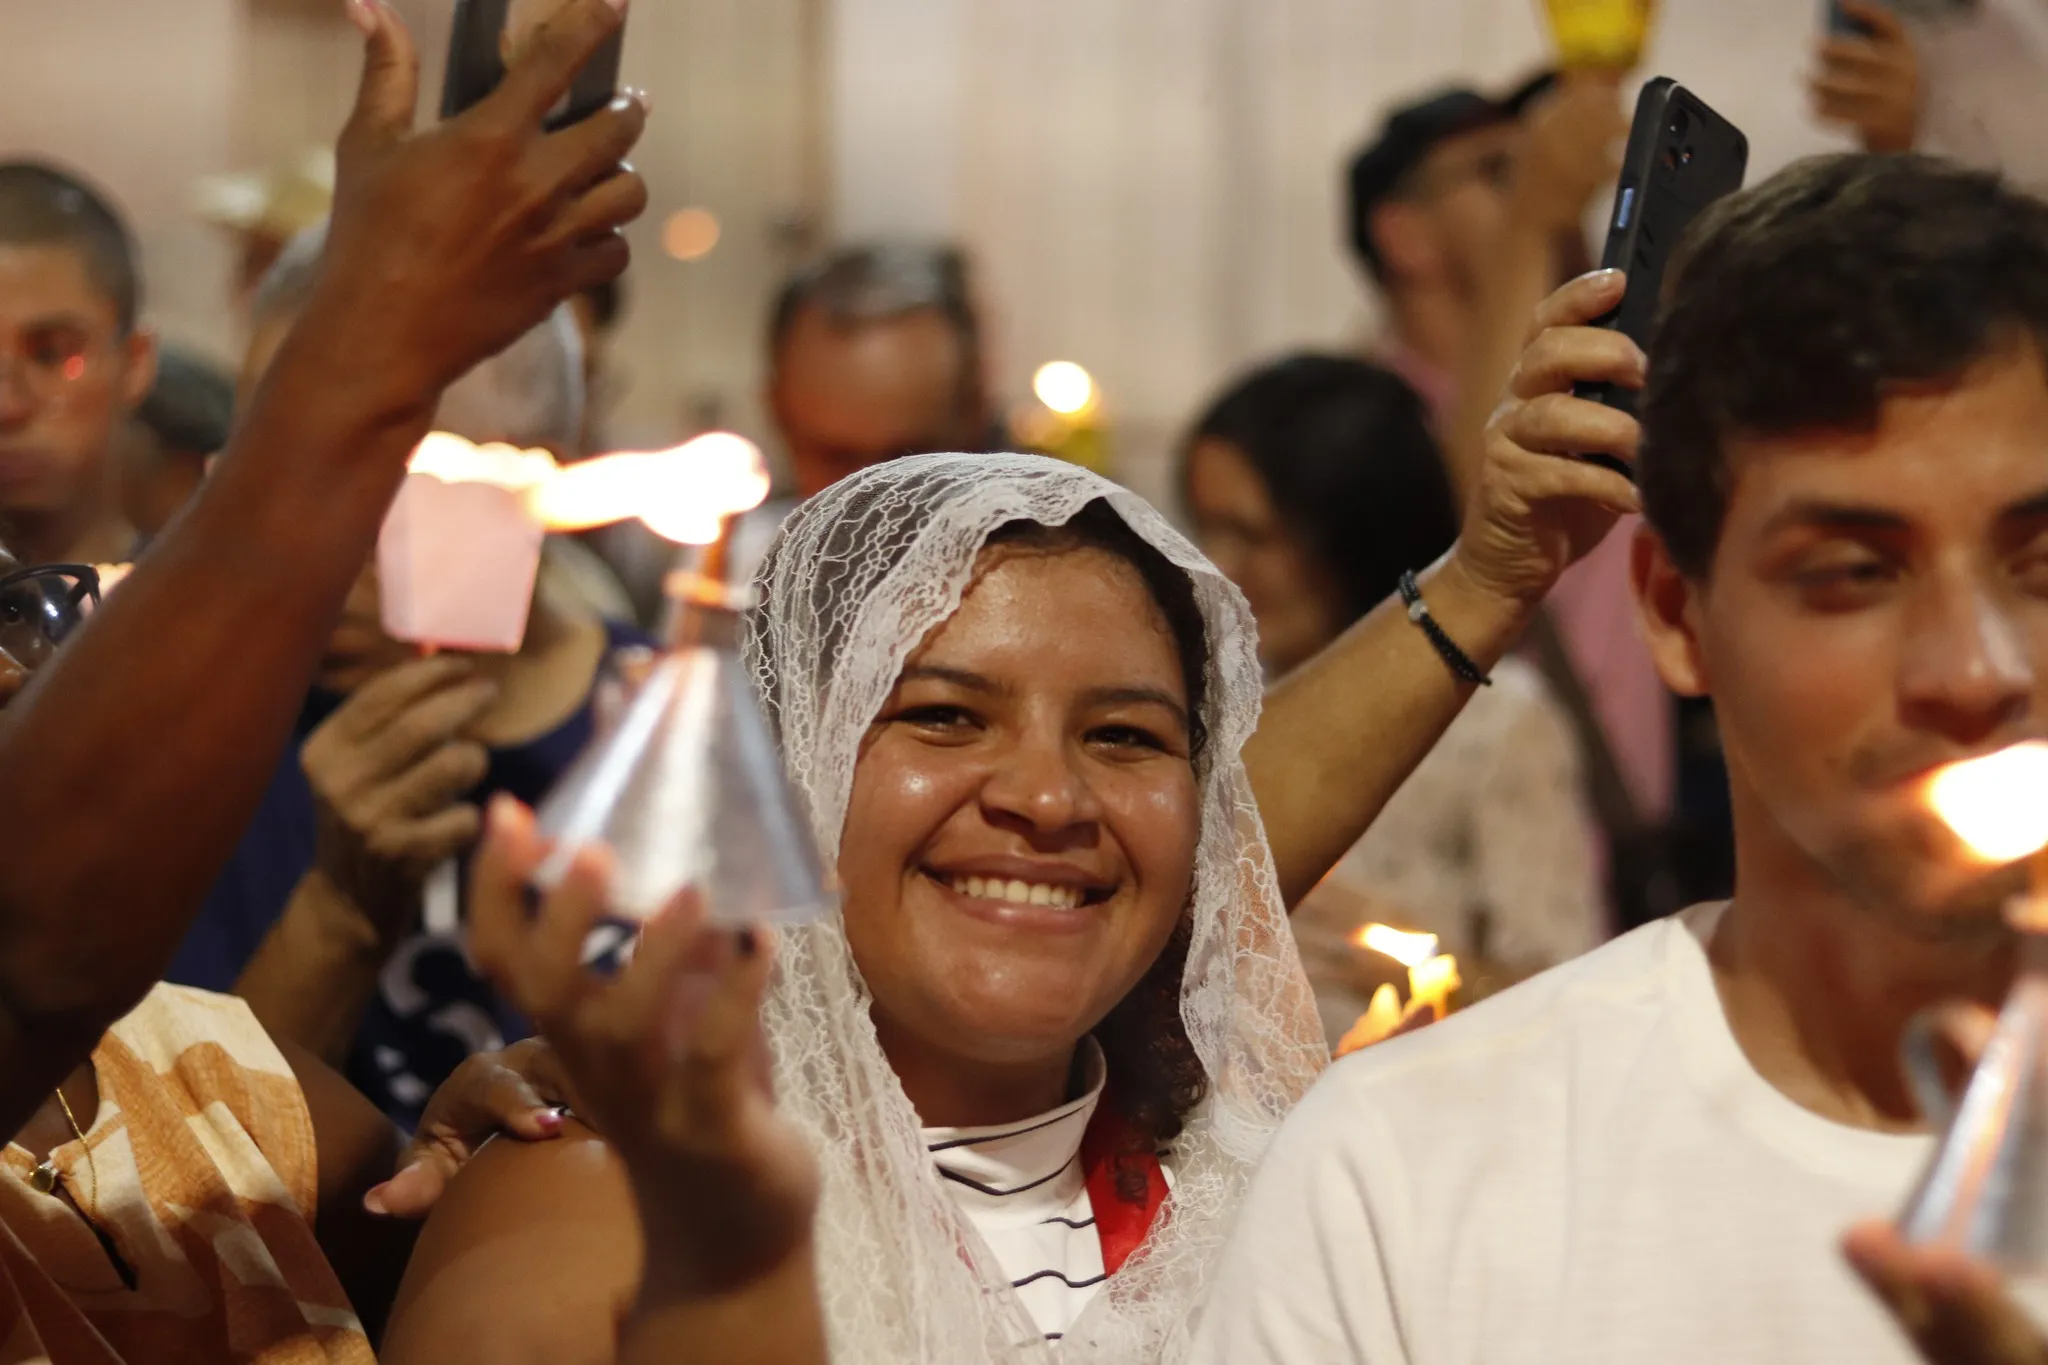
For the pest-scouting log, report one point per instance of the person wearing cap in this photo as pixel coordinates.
(265, 209)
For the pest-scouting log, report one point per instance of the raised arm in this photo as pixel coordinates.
(134, 762)
(1341, 733)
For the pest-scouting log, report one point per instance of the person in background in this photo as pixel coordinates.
(263, 211)
(1313, 483)
(1653, 1152)
(74, 361)
(876, 352)
(336, 916)
(164, 446)
(1967, 83)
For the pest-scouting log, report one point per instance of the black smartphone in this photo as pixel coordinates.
(1841, 23)
(1681, 157)
(476, 63)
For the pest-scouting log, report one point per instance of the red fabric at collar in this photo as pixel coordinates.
(1106, 1148)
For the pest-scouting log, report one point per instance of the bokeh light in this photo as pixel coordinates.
(1064, 387)
(690, 234)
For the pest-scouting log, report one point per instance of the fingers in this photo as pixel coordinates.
(546, 978)
(1559, 424)
(1561, 357)
(498, 879)
(412, 1193)
(390, 86)
(430, 785)
(711, 1022)
(1542, 477)
(1955, 1309)
(421, 844)
(592, 151)
(560, 48)
(1586, 299)
(426, 725)
(606, 207)
(388, 695)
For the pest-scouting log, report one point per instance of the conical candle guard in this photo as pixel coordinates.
(687, 789)
(1986, 1190)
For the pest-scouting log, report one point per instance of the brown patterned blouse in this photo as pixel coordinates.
(207, 1185)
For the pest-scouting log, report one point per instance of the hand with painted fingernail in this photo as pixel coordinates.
(520, 1091)
(666, 1058)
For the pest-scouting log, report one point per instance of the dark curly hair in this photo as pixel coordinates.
(1796, 304)
(1155, 1077)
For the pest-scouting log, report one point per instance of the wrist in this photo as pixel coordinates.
(1483, 620)
(346, 920)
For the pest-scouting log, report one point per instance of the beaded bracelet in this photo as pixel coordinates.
(1457, 659)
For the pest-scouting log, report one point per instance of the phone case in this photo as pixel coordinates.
(475, 66)
(1681, 157)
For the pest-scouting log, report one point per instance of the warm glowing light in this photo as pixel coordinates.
(1432, 983)
(451, 459)
(1382, 1016)
(690, 234)
(1998, 804)
(684, 494)
(1405, 948)
(1064, 387)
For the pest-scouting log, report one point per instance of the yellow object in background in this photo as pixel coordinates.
(1599, 33)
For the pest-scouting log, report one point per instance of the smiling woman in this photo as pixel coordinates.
(1061, 1013)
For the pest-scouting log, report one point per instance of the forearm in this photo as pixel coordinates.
(1519, 273)
(316, 969)
(774, 1319)
(1341, 734)
(135, 761)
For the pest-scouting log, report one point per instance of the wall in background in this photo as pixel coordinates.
(1150, 185)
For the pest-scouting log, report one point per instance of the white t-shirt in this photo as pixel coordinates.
(1585, 1169)
(1022, 1186)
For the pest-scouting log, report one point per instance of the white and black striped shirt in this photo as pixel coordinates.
(1023, 1187)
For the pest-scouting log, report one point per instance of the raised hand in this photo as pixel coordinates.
(666, 1060)
(449, 243)
(1535, 509)
(1870, 81)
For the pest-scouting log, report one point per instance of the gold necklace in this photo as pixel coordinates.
(44, 1177)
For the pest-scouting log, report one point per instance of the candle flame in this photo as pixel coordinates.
(1405, 948)
(1382, 1016)
(1998, 804)
(453, 459)
(684, 494)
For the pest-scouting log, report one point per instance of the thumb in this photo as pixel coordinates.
(390, 87)
(414, 1191)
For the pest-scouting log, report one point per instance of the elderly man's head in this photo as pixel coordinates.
(529, 395)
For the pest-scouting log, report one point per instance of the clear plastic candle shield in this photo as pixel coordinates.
(687, 790)
(1986, 1190)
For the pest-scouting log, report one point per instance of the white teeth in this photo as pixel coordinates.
(1019, 892)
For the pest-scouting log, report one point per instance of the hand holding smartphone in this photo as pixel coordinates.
(1681, 157)
(479, 44)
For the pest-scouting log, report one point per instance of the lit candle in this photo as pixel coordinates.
(1380, 1019)
(1993, 805)
(1431, 984)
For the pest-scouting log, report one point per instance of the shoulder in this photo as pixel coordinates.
(531, 1255)
(1505, 1056)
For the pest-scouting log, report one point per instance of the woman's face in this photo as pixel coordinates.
(1296, 601)
(1021, 835)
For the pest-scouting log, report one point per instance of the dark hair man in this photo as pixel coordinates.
(875, 352)
(74, 361)
(1651, 1153)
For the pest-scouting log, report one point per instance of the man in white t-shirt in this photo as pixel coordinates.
(1650, 1154)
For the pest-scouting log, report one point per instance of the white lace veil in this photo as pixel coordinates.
(857, 577)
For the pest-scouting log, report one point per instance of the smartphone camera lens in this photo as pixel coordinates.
(1685, 157)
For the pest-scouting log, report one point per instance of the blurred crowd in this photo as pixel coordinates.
(346, 1014)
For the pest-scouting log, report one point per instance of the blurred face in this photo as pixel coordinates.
(1442, 231)
(846, 397)
(1877, 607)
(67, 377)
(1297, 602)
(359, 649)
(1021, 834)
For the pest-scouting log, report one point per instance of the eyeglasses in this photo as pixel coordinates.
(41, 606)
(49, 362)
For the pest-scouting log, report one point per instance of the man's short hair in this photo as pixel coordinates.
(41, 205)
(1384, 169)
(879, 283)
(1798, 304)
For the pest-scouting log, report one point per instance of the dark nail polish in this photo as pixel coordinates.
(748, 942)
